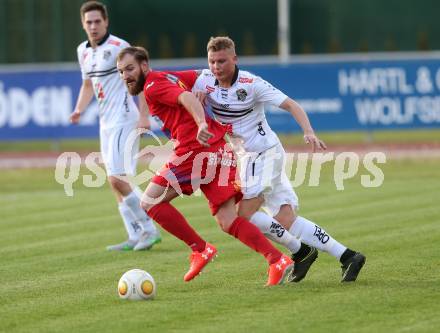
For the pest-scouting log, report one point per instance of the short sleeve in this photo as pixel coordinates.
(188, 78)
(162, 91)
(81, 56)
(124, 44)
(266, 93)
(199, 82)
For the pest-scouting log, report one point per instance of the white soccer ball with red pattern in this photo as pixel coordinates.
(136, 285)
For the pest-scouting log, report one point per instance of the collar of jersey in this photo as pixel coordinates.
(234, 78)
(102, 41)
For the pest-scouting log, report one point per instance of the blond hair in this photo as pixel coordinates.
(220, 43)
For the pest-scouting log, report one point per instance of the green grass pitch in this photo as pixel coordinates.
(57, 277)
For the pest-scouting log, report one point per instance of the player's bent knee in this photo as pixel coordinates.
(146, 206)
(119, 185)
(226, 215)
(286, 216)
(224, 225)
(248, 207)
(224, 221)
(148, 202)
(246, 214)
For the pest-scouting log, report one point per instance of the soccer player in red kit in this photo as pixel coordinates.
(199, 160)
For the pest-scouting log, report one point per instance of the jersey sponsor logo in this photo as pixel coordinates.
(245, 80)
(241, 94)
(114, 42)
(106, 55)
(209, 89)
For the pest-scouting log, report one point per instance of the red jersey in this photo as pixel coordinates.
(161, 91)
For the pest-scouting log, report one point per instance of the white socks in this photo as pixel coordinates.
(302, 230)
(275, 231)
(132, 201)
(313, 235)
(130, 222)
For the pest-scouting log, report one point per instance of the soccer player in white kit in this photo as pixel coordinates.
(237, 99)
(119, 118)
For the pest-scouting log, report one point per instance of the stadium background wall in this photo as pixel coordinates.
(49, 31)
(337, 92)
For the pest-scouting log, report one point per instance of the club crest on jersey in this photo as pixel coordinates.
(241, 94)
(210, 89)
(106, 55)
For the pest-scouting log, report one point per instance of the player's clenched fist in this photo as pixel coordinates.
(203, 135)
(75, 116)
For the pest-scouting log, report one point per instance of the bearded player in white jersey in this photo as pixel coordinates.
(237, 99)
(119, 117)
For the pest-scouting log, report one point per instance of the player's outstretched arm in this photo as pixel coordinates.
(84, 98)
(301, 118)
(195, 108)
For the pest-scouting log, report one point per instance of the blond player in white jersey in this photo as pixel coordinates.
(119, 118)
(237, 99)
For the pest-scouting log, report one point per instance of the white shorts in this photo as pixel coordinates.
(119, 146)
(264, 174)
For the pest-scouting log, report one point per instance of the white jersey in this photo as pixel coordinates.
(116, 106)
(242, 106)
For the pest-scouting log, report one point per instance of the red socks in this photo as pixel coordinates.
(173, 221)
(250, 235)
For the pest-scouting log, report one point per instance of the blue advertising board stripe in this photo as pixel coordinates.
(359, 95)
(337, 95)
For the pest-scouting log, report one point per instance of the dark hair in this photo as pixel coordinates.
(220, 43)
(138, 52)
(93, 5)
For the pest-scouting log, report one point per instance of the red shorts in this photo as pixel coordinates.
(213, 170)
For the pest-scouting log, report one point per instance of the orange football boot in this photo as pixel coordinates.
(198, 260)
(279, 270)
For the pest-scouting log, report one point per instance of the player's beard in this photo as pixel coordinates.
(138, 87)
